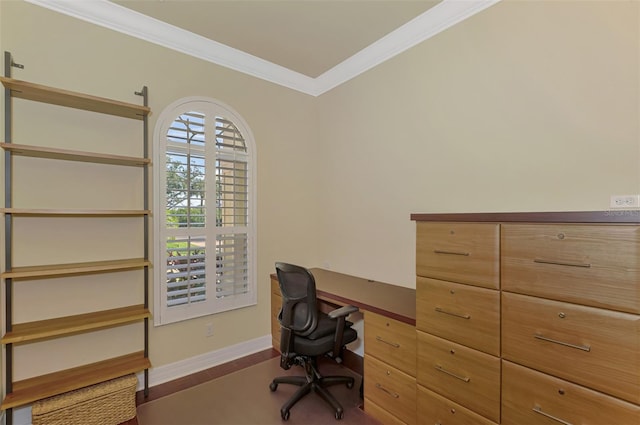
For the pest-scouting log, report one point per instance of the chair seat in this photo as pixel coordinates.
(323, 344)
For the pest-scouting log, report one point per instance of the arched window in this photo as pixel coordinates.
(204, 168)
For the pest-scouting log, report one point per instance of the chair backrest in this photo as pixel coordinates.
(299, 311)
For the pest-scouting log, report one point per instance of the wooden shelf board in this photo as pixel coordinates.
(54, 96)
(69, 325)
(79, 212)
(72, 155)
(37, 388)
(29, 390)
(26, 272)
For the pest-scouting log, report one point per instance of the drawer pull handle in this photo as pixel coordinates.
(462, 316)
(443, 370)
(440, 251)
(566, 344)
(393, 344)
(539, 410)
(392, 394)
(562, 263)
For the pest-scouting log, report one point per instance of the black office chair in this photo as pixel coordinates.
(308, 334)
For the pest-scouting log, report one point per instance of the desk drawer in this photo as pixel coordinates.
(435, 409)
(593, 265)
(276, 304)
(459, 252)
(532, 398)
(391, 341)
(275, 287)
(381, 415)
(391, 389)
(590, 346)
(466, 376)
(464, 314)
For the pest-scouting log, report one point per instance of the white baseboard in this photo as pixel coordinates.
(22, 415)
(160, 375)
(166, 373)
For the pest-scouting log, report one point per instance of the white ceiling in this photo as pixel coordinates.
(307, 45)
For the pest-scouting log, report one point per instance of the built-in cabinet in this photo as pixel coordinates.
(389, 369)
(528, 318)
(25, 391)
(520, 318)
(571, 323)
(458, 320)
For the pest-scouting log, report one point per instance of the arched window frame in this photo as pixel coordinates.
(211, 108)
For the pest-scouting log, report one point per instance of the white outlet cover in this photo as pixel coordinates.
(625, 201)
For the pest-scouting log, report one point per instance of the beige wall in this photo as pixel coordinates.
(526, 106)
(64, 52)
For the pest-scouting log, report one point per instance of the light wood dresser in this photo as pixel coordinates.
(528, 318)
(458, 321)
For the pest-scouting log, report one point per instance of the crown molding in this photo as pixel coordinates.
(118, 18)
(443, 15)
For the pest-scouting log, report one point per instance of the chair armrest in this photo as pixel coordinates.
(342, 311)
(340, 314)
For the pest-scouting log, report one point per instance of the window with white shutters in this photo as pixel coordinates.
(205, 219)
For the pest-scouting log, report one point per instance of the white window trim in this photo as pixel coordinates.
(162, 314)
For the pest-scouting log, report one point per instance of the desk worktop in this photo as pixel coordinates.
(396, 302)
(388, 300)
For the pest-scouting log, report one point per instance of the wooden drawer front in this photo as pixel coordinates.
(276, 304)
(461, 313)
(593, 265)
(381, 415)
(459, 252)
(391, 389)
(435, 409)
(590, 346)
(466, 376)
(275, 287)
(530, 397)
(391, 341)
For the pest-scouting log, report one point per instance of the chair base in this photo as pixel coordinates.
(312, 381)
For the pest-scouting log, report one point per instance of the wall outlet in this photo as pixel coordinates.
(208, 329)
(625, 201)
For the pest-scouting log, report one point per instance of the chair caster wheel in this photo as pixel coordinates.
(273, 386)
(285, 415)
(339, 414)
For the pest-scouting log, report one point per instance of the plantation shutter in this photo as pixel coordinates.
(232, 270)
(206, 224)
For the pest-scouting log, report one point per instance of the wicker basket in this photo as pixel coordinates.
(107, 403)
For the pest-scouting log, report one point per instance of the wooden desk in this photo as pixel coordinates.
(389, 339)
(391, 301)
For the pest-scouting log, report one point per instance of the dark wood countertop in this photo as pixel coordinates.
(611, 216)
(395, 302)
